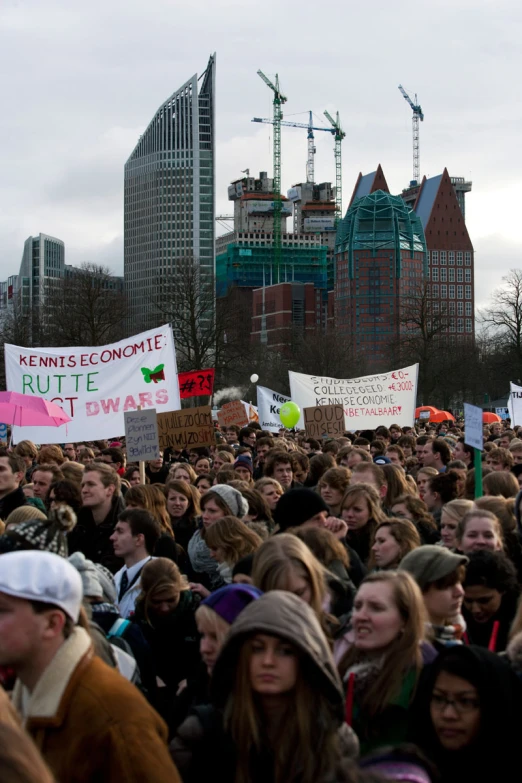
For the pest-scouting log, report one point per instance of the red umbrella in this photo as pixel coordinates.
(442, 416)
(24, 410)
(490, 418)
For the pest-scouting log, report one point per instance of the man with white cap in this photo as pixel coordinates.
(88, 722)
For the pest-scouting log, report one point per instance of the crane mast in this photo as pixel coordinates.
(279, 100)
(339, 136)
(418, 115)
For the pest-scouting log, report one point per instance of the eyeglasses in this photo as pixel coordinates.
(461, 704)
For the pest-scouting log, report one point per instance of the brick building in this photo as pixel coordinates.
(278, 309)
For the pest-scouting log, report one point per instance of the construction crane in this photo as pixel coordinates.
(279, 99)
(339, 136)
(310, 173)
(418, 114)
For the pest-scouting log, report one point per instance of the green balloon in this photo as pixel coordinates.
(289, 414)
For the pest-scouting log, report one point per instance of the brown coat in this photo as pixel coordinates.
(90, 724)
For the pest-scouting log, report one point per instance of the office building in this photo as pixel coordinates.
(169, 197)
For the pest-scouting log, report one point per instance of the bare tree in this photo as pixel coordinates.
(207, 333)
(87, 307)
(503, 318)
(16, 328)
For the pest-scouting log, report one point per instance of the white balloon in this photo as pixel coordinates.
(254, 378)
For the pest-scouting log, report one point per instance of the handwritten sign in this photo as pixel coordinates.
(324, 421)
(233, 413)
(196, 383)
(141, 435)
(187, 428)
(473, 426)
(384, 398)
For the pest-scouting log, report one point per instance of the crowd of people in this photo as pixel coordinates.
(270, 608)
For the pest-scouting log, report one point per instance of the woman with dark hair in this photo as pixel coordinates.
(397, 484)
(258, 510)
(393, 540)
(152, 498)
(278, 699)
(319, 464)
(466, 716)
(204, 482)
(132, 476)
(64, 492)
(490, 599)
(332, 486)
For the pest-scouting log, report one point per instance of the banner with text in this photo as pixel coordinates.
(196, 383)
(187, 428)
(234, 412)
(515, 404)
(383, 398)
(269, 404)
(96, 386)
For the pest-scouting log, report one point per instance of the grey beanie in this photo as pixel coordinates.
(429, 563)
(235, 501)
(96, 580)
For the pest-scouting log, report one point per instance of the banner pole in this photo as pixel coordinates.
(478, 473)
(142, 464)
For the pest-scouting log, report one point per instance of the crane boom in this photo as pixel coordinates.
(418, 114)
(279, 100)
(339, 136)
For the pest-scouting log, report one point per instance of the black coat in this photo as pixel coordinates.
(94, 540)
(10, 502)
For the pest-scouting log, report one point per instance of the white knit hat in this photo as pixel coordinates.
(43, 577)
(96, 580)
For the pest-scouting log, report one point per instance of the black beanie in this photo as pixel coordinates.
(296, 507)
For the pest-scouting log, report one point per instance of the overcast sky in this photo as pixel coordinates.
(81, 80)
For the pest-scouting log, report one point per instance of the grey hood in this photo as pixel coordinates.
(282, 614)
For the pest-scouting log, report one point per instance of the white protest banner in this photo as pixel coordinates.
(96, 386)
(141, 435)
(269, 404)
(383, 398)
(473, 426)
(515, 404)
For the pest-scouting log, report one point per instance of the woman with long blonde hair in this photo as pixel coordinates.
(278, 703)
(382, 665)
(229, 539)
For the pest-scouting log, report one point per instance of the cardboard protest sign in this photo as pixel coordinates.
(233, 413)
(384, 398)
(141, 435)
(324, 421)
(187, 428)
(96, 386)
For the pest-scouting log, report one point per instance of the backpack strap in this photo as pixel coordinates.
(118, 628)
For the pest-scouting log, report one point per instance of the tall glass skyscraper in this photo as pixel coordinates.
(169, 201)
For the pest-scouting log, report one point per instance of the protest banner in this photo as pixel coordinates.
(502, 412)
(187, 428)
(233, 413)
(382, 398)
(141, 435)
(269, 404)
(196, 383)
(515, 404)
(96, 386)
(324, 421)
(3, 433)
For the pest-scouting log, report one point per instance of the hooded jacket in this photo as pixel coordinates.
(283, 615)
(94, 540)
(495, 753)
